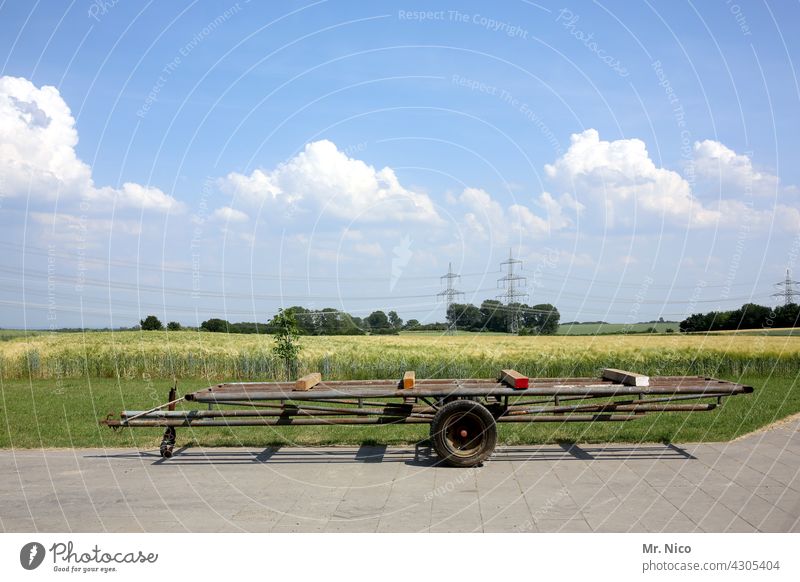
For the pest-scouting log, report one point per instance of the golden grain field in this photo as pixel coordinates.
(218, 356)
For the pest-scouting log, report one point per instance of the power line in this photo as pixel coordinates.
(450, 293)
(513, 295)
(167, 268)
(138, 287)
(787, 290)
(22, 278)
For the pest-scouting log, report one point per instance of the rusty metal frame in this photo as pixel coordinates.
(380, 402)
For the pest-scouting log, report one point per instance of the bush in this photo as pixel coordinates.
(151, 323)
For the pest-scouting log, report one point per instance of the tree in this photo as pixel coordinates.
(377, 320)
(394, 320)
(494, 316)
(174, 326)
(748, 316)
(785, 316)
(411, 324)
(286, 345)
(541, 319)
(151, 323)
(465, 316)
(215, 325)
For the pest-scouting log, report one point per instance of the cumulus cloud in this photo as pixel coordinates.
(38, 158)
(619, 182)
(487, 218)
(722, 171)
(619, 179)
(324, 180)
(228, 214)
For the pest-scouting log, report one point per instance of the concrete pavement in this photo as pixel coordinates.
(749, 485)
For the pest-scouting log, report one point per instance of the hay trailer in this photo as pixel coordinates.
(462, 414)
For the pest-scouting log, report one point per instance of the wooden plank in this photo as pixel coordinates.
(409, 379)
(308, 381)
(514, 379)
(625, 377)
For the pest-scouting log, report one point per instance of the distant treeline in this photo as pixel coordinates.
(327, 321)
(492, 315)
(748, 316)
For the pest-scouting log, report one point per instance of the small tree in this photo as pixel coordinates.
(215, 325)
(394, 320)
(151, 323)
(174, 326)
(377, 320)
(286, 345)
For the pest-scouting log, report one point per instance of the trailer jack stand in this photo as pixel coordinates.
(168, 442)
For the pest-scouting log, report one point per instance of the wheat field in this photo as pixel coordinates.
(217, 356)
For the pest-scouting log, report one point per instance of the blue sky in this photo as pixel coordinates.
(223, 159)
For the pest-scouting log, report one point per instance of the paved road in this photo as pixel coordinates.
(749, 485)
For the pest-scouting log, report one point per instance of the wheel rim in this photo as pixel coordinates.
(465, 434)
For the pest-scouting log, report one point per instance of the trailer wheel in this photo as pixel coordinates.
(168, 442)
(464, 433)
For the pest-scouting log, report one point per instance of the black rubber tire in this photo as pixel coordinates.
(463, 433)
(168, 442)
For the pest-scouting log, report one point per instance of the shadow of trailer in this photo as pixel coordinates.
(462, 413)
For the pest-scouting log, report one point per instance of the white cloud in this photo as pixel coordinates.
(488, 219)
(619, 180)
(228, 214)
(324, 180)
(724, 172)
(38, 158)
(621, 184)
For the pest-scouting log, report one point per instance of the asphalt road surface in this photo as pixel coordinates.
(748, 485)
